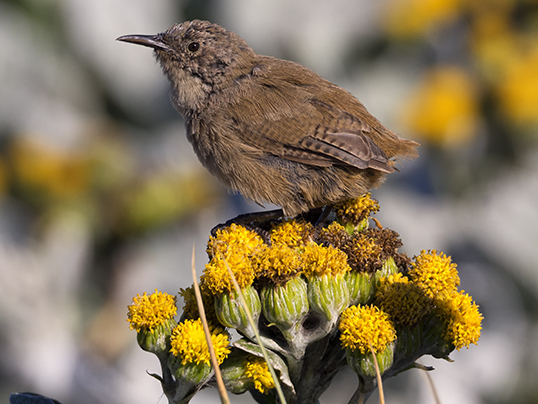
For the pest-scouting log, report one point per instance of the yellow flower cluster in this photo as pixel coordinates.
(232, 248)
(293, 233)
(190, 307)
(404, 301)
(216, 278)
(435, 274)
(364, 325)
(318, 261)
(188, 342)
(279, 263)
(257, 370)
(148, 312)
(437, 277)
(464, 321)
(302, 283)
(291, 254)
(366, 251)
(234, 237)
(431, 286)
(356, 210)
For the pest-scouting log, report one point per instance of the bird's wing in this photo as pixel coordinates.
(300, 123)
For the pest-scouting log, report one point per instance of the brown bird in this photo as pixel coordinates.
(269, 128)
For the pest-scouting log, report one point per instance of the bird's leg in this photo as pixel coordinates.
(320, 222)
(258, 222)
(324, 215)
(261, 222)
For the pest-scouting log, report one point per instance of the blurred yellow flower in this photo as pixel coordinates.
(518, 89)
(161, 198)
(417, 17)
(494, 44)
(481, 7)
(443, 110)
(3, 177)
(53, 173)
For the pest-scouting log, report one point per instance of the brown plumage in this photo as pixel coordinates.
(271, 129)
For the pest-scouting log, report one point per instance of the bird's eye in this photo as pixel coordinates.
(193, 46)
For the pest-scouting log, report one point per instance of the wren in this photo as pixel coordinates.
(268, 128)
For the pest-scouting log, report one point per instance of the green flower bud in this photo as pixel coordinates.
(157, 341)
(285, 305)
(434, 341)
(389, 268)
(233, 373)
(243, 371)
(410, 340)
(363, 363)
(328, 295)
(231, 313)
(360, 286)
(190, 372)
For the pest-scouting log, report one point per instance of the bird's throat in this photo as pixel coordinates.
(187, 92)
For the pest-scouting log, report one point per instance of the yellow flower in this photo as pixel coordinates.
(402, 300)
(435, 274)
(293, 233)
(148, 312)
(188, 342)
(336, 235)
(257, 370)
(518, 89)
(444, 107)
(216, 278)
(364, 325)
(190, 308)
(54, 173)
(464, 321)
(159, 198)
(232, 247)
(318, 261)
(357, 210)
(3, 177)
(494, 43)
(277, 264)
(234, 237)
(364, 253)
(417, 17)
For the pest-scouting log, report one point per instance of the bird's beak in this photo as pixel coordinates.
(152, 41)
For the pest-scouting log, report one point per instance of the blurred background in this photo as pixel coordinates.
(102, 197)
